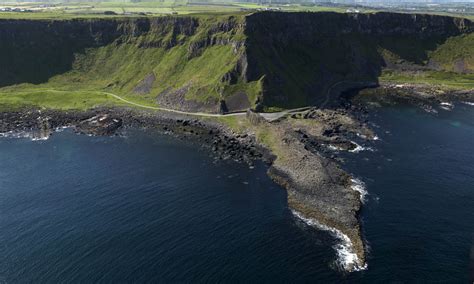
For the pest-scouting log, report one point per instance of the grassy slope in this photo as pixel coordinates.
(124, 66)
(444, 54)
(119, 68)
(303, 70)
(445, 79)
(454, 49)
(52, 99)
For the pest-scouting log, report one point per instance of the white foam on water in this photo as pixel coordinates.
(468, 103)
(30, 135)
(334, 148)
(62, 128)
(346, 257)
(365, 137)
(39, 138)
(22, 134)
(446, 108)
(447, 104)
(359, 186)
(360, 148)
(361, 135)
(430, 110)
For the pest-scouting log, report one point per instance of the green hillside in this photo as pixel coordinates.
(193, 57)
(227, 62)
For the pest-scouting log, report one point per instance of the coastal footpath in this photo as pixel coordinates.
(221, 63)
(61, 73)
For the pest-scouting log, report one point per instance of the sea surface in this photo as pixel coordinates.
(147, 207)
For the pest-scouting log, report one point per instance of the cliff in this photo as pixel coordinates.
(304, 55)
(177, 62)
(219, 63)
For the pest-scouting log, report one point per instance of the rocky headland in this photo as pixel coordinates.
(211, 64)
(299, 148)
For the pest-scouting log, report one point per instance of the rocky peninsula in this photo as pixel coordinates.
(214, 79)
(298, 148)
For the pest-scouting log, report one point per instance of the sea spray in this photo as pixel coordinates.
(375, 137)
(32, 135)
(347, 259)
(359, 186)
(360, 148)
(446, 106)
(23, 134)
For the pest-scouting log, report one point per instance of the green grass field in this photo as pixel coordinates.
(51, 99)
(118, 67)
(27, 95)
(154, 8)
(446, 79)
(70, 10)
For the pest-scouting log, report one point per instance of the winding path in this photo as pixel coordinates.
(273, 116)
(173, 110)
(268, 116)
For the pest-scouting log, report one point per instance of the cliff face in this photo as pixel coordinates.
(308, 57)
(218, 63)
(183, 62)
(305, 26)
(34, 51)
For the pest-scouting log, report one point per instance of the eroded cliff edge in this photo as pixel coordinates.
(226, 63)
(308, 58)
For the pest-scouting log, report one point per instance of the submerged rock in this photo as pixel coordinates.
(99, 125)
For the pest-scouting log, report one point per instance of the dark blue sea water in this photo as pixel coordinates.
(150, 208)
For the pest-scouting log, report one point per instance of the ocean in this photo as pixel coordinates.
(147, 207)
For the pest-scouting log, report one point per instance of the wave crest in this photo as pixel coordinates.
(347, 259)
(359, 186)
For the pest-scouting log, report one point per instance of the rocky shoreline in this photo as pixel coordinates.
(302, 159)
(40, 124)
(421, 95)
(306, 165)
(301, 149)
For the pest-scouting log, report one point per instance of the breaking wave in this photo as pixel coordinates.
(334, 148)
(32, 135)
(346, 257)
(367, 138)
(468, 103)
(22, 134)
(446, 106)
(359, 186)
(360, 148)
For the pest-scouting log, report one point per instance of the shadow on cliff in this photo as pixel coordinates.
(35, 51)
(35, 65)
(308, 57)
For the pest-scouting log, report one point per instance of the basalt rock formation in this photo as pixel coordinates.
(226, 63)
(218, 63)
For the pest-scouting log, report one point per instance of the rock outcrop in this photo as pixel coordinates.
(269, 59)
(304, 56)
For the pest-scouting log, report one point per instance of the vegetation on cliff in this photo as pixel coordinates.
(222, 63)
(228, 62)
(180, 62)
